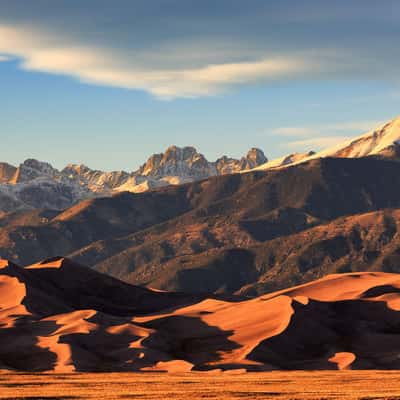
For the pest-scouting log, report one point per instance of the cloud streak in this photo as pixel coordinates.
(40, 52)
(317, 137)
(316, 143)
(170, 49)
(318, 129)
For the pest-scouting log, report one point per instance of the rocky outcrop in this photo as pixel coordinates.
(254, 158)
(32, 169)
(7, 172)
(97, 181)
(183, 162)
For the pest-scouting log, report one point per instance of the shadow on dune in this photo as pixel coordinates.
(100, 351)
(176, 338)
(19, 348)
(380, 290)
(50, 290)
(58, 285)
(370, 330)
(189, 339)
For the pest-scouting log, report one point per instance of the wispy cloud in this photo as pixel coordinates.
(344, 128)
(315, 143)
(317, 137)
(171, 49)
(294, 131)
(4, 58)
(104, 66)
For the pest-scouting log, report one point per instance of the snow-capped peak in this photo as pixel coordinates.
(384, 141)
(371, 143)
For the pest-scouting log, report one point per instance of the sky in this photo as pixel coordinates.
(108, 83)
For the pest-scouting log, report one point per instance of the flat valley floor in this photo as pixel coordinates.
(200, 385)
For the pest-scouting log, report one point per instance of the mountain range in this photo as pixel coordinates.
(36, 184)
(244, 233)
(226, 234)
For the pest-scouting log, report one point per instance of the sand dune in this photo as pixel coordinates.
(62, 317)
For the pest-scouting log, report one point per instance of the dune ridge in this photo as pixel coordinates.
(58, 316)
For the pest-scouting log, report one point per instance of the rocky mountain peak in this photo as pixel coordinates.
(96, 180)
(254, 158)
(176, 154)
(32, 169)
(75, 169)
(184, 162)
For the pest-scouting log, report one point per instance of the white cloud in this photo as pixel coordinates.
(329, 128)
(317, 143)
(4, 58)
(294, 131)
(176, 68)
(317, 137)
(39, 51)
(354, 126)
(178, 51)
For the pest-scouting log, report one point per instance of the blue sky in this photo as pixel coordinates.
(108, 83)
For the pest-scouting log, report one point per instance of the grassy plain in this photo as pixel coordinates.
(366, 385)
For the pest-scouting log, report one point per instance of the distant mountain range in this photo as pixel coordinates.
(268, 227)
(241, 233)
(36, 184)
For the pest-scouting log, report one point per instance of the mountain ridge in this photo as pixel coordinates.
(37, 184)
(246, 233)
(382, 141)
(222, 234)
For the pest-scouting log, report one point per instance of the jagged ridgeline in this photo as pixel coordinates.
(36, 184)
